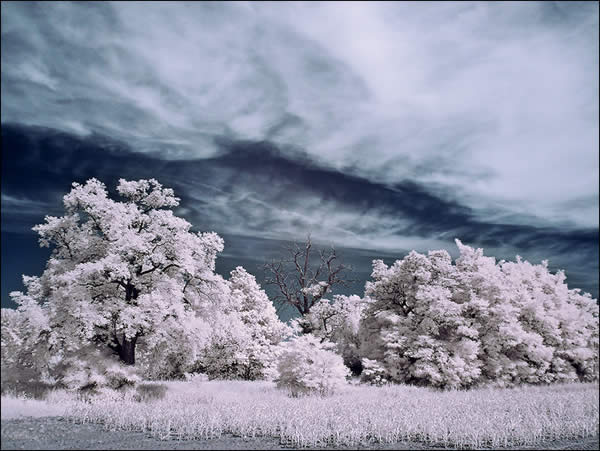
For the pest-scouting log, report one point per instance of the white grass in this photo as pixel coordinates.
(56, 404)
(484, 417)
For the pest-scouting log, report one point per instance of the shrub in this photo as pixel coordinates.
(120, 376)
(373, 373)
(150, 392)
(29, 389)
(307, 366)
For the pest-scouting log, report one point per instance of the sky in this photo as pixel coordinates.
(378, 128)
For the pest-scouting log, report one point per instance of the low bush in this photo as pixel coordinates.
(119, 376)
(308, 366)
(28, 389)
(150, 392)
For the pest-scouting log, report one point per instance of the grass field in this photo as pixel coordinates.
(17, 407)
(358, 414)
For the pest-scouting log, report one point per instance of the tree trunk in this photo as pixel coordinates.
(127, 350)
(127, 347)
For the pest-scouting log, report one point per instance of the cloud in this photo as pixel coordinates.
(257, 195)
(378, 126)
(494, 106)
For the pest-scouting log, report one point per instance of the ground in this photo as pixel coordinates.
(223, 414)
(57, 433)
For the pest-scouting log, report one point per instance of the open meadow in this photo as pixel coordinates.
(357, 416)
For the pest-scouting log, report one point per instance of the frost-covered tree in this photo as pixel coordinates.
(164, 355)
(434, 323)
(308, 365)
(338, 322)
(17, 361)
(226, 354)
(30, 362)
(120, 270)
(12, 339)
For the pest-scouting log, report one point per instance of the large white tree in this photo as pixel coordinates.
(532, 327)
(414, 328)
(265, 329)
(477, 321)
(119, 269)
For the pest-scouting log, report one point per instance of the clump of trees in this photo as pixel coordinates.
(243, 344)
(130, 292)
(431, 322)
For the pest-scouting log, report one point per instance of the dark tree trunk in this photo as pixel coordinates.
(127, 350)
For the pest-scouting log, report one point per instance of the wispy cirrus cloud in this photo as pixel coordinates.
(493, 105)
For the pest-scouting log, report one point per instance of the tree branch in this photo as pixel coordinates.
(296, 267)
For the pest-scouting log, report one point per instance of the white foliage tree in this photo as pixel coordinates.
(264, 327)
(25, 348)
(225, 355)
(538, 331)
(120, 269)
(413, 326)
(12, 339)
(338, 322)
(478, 321)
(245, 334)
(31, 363)
(164, 355)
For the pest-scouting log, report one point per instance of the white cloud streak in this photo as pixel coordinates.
(493, 104)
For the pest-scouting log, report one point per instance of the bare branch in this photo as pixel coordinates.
(299, 281)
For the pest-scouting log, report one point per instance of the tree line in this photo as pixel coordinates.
(130, 291)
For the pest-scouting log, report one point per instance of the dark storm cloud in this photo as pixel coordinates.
(256, 195)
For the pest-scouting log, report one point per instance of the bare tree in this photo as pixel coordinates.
(300, 282)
